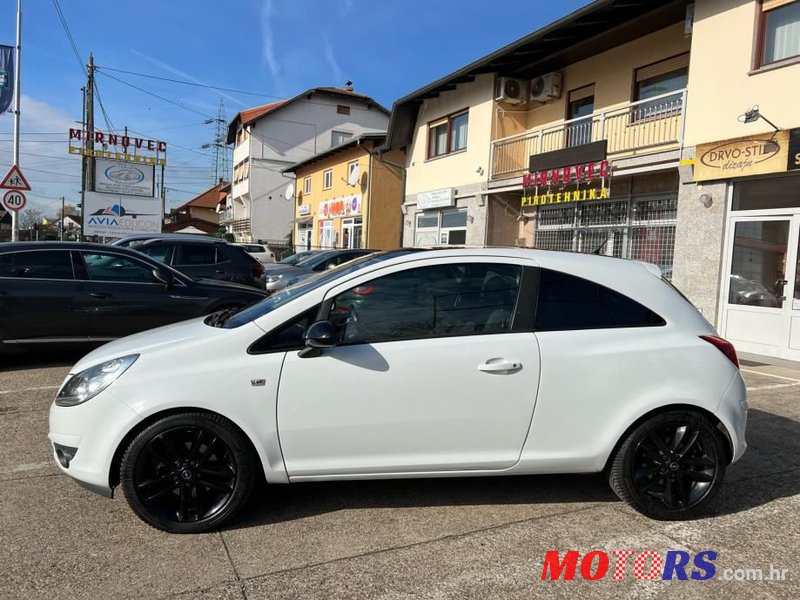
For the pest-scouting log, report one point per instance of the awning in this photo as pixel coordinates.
(303, 220)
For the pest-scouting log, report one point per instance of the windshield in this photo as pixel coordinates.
(295, 258)
(306, 285)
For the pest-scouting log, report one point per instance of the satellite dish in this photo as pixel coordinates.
(355, 175)
(289, 193)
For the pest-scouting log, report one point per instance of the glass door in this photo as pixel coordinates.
(760, 304)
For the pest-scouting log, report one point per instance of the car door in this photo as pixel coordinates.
(123, 297)
(40, 297)
(202, 260)
(436, 371)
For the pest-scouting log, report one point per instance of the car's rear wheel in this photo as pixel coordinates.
(188, 472)
(671, 466)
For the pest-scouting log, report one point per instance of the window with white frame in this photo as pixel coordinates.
(327, 179)
(306, 185)
(448, 135)
(351, 167)
(340, 137)
(779, 31)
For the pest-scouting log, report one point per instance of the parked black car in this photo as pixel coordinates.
(211, 258)
(88, 293)
(138, 238)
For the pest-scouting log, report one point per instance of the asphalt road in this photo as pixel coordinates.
(468, 538)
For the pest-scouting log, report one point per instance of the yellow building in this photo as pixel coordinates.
(349, 196)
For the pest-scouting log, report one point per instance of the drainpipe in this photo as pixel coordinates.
(401, 169)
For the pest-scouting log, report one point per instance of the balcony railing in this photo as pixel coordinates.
(650, 123)
(226, 216)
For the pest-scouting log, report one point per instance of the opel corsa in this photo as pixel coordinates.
(414, 364)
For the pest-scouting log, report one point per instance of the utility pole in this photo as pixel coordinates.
(14, 220)
(61, 227)
(87, 181)
(219, 145)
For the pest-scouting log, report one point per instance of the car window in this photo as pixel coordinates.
(113, 267)
(160, 252)
(433, 301)
(288, 336)
(39, 264)
(196, 254)
(566, 302)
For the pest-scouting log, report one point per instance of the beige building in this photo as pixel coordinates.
(581, 136)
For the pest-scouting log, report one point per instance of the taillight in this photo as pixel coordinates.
(258, 270)
(723, 346)
(364, 290)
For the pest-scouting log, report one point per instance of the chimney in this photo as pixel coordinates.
(348, 86)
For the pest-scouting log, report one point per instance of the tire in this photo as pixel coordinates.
(188, 473)
(671, 466)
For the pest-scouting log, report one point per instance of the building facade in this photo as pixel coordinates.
(270, 138)
(349, 196)
(738, 221)
(200, 212)
(609, 131)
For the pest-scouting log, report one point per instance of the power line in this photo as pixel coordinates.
(192, 83)
(106, 118)
(136, 87)
(69, 36)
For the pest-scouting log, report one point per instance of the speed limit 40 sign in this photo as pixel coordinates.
(14, 200)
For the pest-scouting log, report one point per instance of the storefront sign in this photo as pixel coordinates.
(116, 215)
(752, 155)
(118, 147)
(435, 199)
(304, 210)
(341, 207)
(794, 149)
(574, 183)
(116, 177)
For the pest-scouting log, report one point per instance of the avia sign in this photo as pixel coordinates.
(116, 215)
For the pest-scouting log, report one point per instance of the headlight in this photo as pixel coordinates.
(88, 383)
(274, 278)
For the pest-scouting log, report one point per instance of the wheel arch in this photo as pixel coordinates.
(669, 408)
(116, 461)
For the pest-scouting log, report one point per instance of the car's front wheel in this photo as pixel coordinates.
(188, 472)
(671, 466)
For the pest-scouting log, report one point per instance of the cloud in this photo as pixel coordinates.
(268, 38)
(330, 58)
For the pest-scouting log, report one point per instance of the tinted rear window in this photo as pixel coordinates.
(37, 264)
(567, 302)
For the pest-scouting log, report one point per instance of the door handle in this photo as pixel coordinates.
(99, 295)
(499, 367)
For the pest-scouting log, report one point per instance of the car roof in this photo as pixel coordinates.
(57, 245)
(149, 241)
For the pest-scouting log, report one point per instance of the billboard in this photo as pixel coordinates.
(118, 215)
(130, 179)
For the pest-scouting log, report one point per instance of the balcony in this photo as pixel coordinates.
(226, 216)
(651, 125)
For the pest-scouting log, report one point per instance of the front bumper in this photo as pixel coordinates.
(86, 437)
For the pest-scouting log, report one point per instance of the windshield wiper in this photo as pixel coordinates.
(219, 318)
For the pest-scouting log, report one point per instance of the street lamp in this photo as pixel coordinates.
(753, 115)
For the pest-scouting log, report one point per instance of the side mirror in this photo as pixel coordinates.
(321, 334)
(165, 277)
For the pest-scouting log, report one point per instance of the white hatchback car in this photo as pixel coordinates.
(414, 364)
(260, 252)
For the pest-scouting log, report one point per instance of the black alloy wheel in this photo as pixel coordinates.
(188, 473)
(671, 466)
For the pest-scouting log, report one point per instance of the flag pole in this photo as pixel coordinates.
(14, 221)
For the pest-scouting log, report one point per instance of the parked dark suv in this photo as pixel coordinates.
(66, 292)
(211, 258)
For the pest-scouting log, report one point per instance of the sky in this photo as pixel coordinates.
(269, 48)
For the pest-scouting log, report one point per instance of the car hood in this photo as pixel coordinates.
(282, 269)
(229, 285)
(153, 340)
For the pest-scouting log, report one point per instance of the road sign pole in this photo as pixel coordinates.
(14, 220)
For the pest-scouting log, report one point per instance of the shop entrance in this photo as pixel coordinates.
(762, 299)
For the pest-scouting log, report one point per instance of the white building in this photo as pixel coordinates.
(268, 139)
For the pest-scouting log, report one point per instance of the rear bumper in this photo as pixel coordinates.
(732, 413)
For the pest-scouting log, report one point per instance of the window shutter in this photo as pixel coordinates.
(665, 66)
(770, 4)
(586, 91)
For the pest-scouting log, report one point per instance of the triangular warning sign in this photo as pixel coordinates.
(14, 180)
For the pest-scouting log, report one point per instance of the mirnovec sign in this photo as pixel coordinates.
(118, 147)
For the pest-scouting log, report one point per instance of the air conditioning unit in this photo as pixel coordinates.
(511, 91)
(546, 87)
